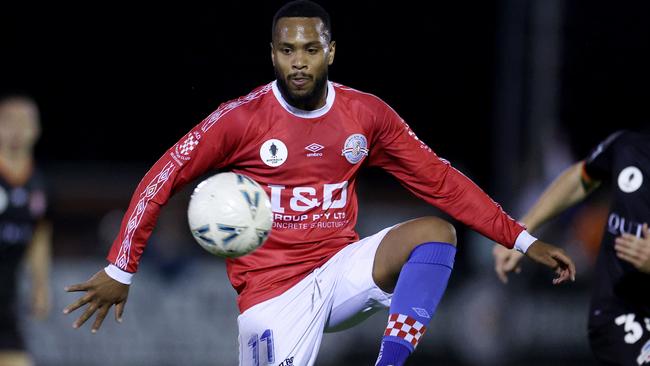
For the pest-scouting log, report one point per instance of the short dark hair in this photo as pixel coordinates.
(303, 9)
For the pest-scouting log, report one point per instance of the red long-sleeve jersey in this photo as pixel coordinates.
(307, 161)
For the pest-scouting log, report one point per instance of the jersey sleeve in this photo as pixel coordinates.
(209, 145)
(397, 150)
(598, 165)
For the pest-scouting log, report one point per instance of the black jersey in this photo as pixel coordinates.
(623, 159)
(21, 207)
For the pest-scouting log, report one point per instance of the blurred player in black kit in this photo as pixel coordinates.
(23, 233)
(619, 316)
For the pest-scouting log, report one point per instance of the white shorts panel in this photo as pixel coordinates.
(288, 328)
(357, 296)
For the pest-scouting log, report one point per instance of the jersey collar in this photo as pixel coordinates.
(329, 102)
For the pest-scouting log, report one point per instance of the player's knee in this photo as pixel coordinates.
(439, 230)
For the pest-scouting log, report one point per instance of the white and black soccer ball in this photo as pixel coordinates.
(230, 215)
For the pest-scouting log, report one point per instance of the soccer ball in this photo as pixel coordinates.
(229, 215)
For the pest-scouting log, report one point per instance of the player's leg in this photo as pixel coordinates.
(357, 296)
(414, 261)
(287, 330)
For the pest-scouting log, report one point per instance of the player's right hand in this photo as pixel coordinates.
(102, 292)
(506, 261)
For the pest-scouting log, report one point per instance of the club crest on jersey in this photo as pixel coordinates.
(274, 152)
(355, 148)
(630, 179)
(183, 149)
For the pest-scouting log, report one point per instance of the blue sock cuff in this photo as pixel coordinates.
(434, 253)
(400, 341)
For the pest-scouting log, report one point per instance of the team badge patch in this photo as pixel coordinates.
(183, 149)
(274, 152)
(630, 179)
(355, 148)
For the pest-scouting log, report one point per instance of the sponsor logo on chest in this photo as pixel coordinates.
(314, 150)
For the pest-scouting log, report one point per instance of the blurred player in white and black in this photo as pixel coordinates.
(23, 232)
(619, 315)
(304, 139)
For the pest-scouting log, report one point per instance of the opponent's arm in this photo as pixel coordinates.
(38, 263)
(571, 187)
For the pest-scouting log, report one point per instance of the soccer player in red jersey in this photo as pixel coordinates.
(304, 139)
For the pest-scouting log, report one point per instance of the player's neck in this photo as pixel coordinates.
(304, 110)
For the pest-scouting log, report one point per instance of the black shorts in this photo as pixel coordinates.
(621, 338)
(10, 337)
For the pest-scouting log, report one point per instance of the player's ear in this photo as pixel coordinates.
(272, 54)
(330, 56)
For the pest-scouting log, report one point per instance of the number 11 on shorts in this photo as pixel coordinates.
(254, 345)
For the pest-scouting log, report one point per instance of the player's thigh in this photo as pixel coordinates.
(288, 329)
(620, 339)
(397, 245)
(356, 296)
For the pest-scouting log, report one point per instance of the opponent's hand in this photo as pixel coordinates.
(506, 261)
(635, 250)
(554, 258)
(102, 292)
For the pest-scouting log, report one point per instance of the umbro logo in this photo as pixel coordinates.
(314, 148)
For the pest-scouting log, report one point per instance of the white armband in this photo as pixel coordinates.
(118, 275)
(524, 240)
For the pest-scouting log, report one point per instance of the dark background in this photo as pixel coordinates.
(119, 83)
(122, 83)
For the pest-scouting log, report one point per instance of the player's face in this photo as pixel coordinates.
(301, 53)
(19, 127)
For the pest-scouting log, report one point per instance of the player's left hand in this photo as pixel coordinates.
(554, 258)
(635, 250)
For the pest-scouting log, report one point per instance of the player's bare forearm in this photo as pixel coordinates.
(554, 258)
(565, 191)
(38, 261)
(101, 292)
